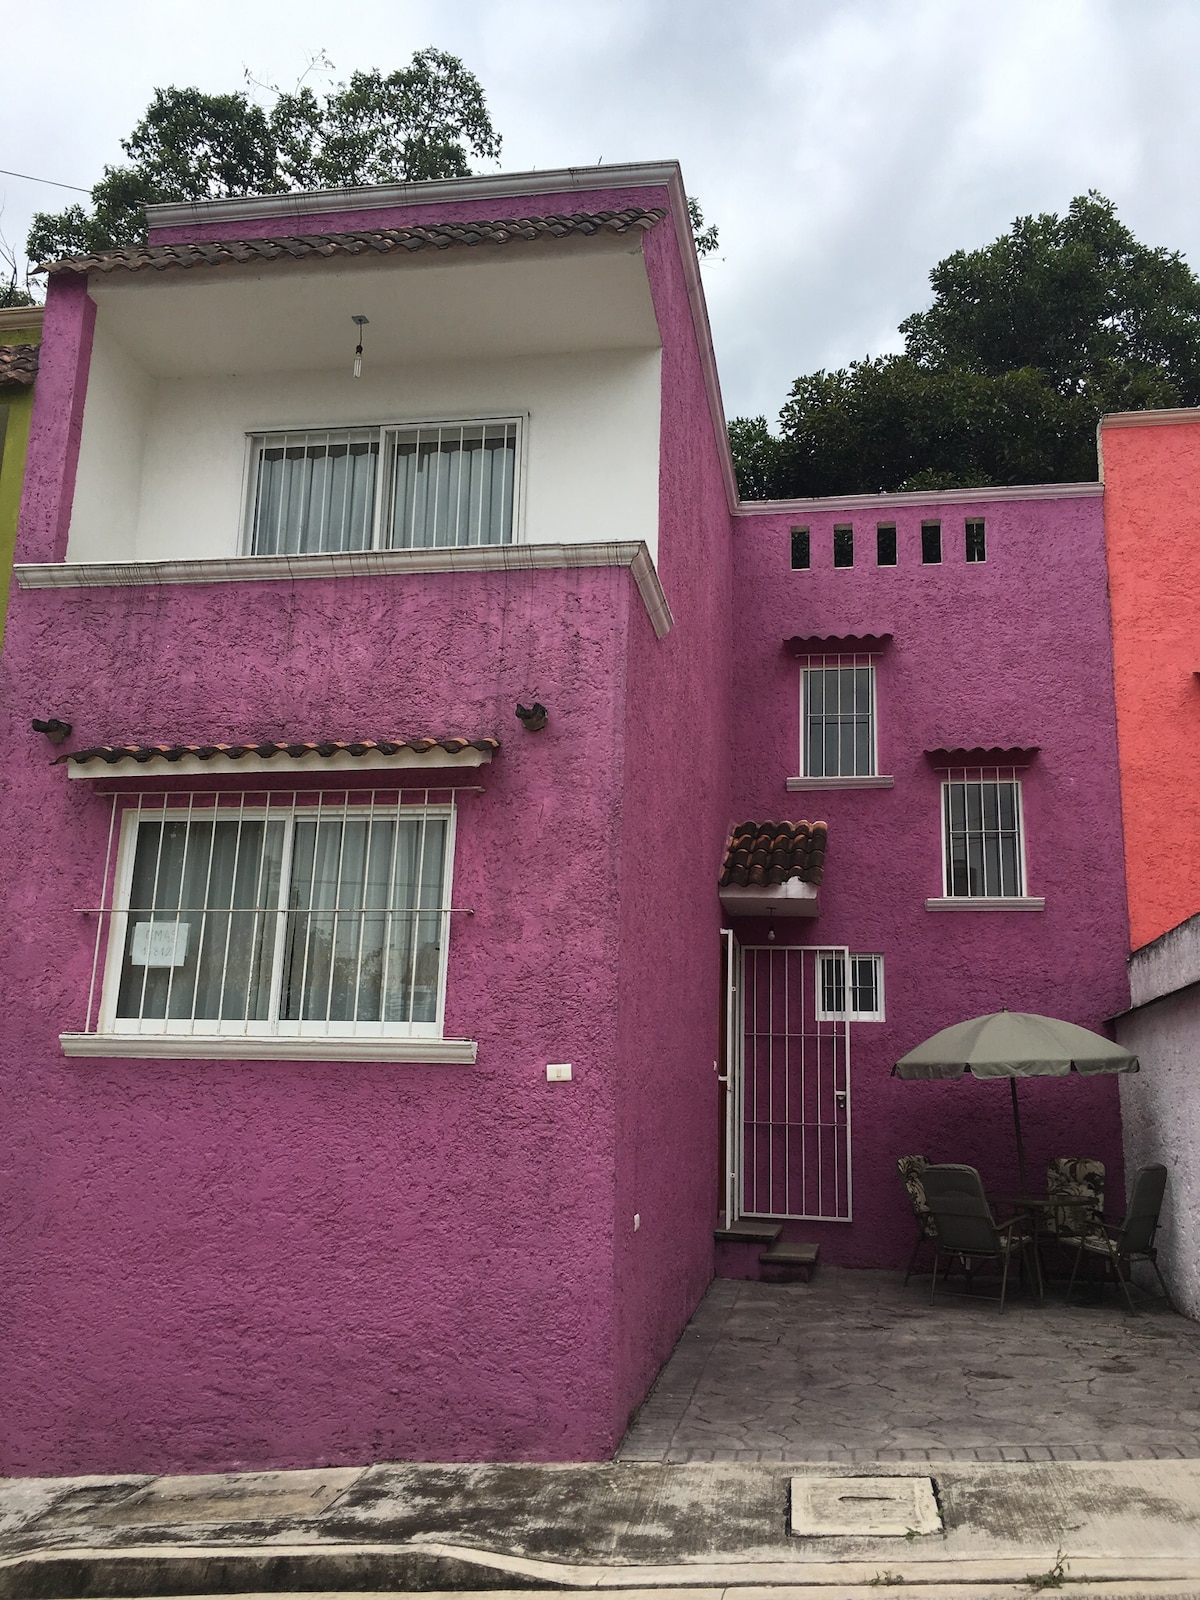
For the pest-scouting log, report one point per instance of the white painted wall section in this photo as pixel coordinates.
(590, 448)
(108, 480)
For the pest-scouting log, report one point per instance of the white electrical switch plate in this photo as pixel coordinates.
(637, 1220)
(558, 1072)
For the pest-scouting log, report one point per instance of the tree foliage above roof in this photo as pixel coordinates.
(422, 121)
(1028, 342)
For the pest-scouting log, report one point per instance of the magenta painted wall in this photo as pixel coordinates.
(675, 808)
(1010, 652)
(223, 1265)
(491, 209)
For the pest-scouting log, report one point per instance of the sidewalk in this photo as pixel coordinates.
(1120, 1528)
(855, 1367)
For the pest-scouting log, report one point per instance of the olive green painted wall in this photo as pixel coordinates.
(16, 407)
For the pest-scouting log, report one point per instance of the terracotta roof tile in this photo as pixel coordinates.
(766, 853)
(18, 363)
(982, 756)
(832, 644)
(381, 241)
(115, 753)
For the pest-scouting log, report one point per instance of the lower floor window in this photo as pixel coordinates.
(981, 824)
(285, 919)
(851, 988)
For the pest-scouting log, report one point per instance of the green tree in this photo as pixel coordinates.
(421, 121)
(1029, 340)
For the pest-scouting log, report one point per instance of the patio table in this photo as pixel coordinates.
(1035, 1207)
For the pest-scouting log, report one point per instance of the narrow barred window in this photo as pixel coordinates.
(931, 543)
(885, 544)
(843, 546)
(976, 539)
(800, 549)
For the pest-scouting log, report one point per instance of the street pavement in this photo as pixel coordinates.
(831, 1439)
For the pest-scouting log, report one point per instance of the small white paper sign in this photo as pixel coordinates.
(159, 944)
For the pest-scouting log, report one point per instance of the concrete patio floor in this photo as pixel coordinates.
(855, 1367)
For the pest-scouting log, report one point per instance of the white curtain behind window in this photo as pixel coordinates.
(314, 492)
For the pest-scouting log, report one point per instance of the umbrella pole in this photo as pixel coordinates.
(1017, 1126)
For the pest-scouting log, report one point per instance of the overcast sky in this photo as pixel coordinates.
(842, 146)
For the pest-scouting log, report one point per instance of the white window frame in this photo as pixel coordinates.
(383, 429)
(131, 818)
(824, 1014)
(993, 775)
(832, 664)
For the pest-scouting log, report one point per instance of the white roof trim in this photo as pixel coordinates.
(631, 553)
(922, 497)
(311, 763)
(430, 191)
(1150, 419)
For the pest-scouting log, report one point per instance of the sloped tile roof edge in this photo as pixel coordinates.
(340, 753)
(380, 241)
(18, 364)
(763, 854)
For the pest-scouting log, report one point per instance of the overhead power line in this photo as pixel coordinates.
(29, 178)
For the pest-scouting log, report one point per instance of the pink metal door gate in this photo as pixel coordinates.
(790, 1077)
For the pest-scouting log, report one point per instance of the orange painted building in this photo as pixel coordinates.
(1150, 463)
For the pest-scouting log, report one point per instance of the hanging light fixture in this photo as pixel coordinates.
(360, 323)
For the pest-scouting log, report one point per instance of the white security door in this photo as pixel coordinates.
(791, 1100)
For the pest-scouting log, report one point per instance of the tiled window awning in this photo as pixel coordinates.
(328, 755)
(18, 365)
(833, 644)
(982, 756)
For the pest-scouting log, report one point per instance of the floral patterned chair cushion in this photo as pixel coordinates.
(1077, 1183)
(912, 1170)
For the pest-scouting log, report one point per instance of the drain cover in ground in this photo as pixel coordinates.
(868, 1507)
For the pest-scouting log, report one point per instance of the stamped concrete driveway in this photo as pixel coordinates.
(855, 1367)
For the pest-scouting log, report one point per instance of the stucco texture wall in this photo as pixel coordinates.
(675, 786)
(1011, 652)
(1152, 524)
(1159, 1108)
(214, 1265)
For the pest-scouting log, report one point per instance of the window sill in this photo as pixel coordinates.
(874, 782)
(240, 1047)
(1010, 902)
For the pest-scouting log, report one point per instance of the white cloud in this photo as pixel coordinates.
(842, 148)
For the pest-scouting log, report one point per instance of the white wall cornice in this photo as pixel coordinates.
(631, 553)
(430, 191)
(921, 497)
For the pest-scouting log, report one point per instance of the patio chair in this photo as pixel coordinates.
(912, 1170)
(966, 1229)
(1131, 1240)
(1076, 1185)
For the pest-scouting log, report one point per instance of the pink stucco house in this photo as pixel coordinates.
(486, 858)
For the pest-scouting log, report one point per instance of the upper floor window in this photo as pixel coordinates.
(437, 486)
(984, 847)
(839, 721)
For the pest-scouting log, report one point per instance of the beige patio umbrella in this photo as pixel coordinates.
(1014, 1044)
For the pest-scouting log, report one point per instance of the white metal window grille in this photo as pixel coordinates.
(865, 1000)
(452, 485)
(443, 486)
(313, 492)
(982, 834)
(838, 720)
(791, 1082)
(277, 914)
